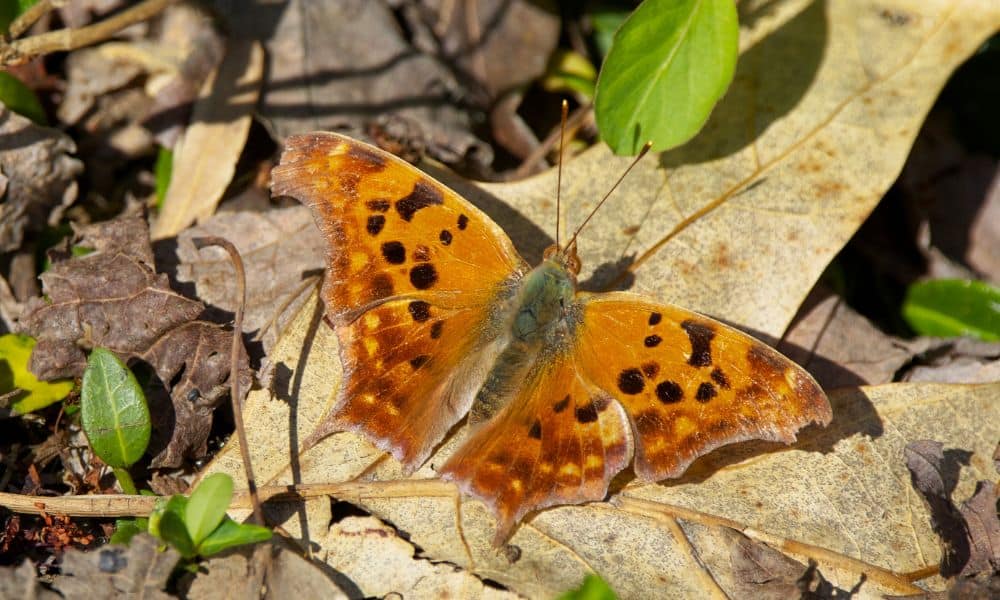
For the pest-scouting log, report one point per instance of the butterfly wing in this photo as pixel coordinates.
(559, 440)
(412, 273)
(688, 383)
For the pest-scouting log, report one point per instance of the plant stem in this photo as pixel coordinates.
(125, 480)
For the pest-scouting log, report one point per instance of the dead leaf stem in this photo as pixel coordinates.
(19, 51)
(234, 369)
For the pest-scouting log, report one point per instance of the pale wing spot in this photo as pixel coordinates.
(569, 470)
(371, 346)
(545, 468)
(684, 426)
(516, 485)
(390, 408)
(790, 378)
(368, 398)
(372, 320)
(594, 461)
(359, 260)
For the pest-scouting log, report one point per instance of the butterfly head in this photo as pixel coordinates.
(567, 258)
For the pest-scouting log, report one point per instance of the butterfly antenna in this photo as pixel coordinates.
(562, 134)
(642, 153)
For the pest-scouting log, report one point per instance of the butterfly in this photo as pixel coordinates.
(439, 318)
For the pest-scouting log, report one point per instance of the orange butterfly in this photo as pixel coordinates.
(439, 317)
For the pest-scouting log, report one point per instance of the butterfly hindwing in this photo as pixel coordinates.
(412, 271)
(689, 383)
(558, 440)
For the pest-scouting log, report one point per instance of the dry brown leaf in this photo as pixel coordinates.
(205, 156)
(325, 73)
(844, 489)
(37, 177)
(114, 298)
(280, 250)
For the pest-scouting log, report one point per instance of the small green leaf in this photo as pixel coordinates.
(669, 64)
(570, 71)
(126, 529)
(15, 352)
(605, 19)
(163, 170)
(954, 307)
(229, 533)
(113, 410)
(19, 98)
(207, 506)
(170, 526)
(593, 588)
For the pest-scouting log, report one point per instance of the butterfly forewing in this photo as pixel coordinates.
(688, 383)
(412, 273)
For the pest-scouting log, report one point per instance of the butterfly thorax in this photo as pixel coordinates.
(546, 292)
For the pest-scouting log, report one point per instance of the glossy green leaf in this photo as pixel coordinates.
(207, 505)
(669, 64)
(593, 588)
(170, 526)
(229, 533)
(163, 169)
(954, 307)
(113, 410)
(19, 98)
(15, 351)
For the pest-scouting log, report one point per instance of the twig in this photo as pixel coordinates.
(25, 20)
(19, 51)
(234, 378)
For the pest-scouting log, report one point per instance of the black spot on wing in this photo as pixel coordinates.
(445, 237)
(701, 336)
(652, 341)
(669, 392)
(422, 196)
(630, 381)
(420, 311)
(561, 405)
(654, 318)
(706, 391)
(381, 205)
(375, 224)
(436, 329)
(394, 253)
(720, 378)
(423, 276)
(536, 430)
(463, 222)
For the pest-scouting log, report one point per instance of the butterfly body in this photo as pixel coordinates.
(439, 318)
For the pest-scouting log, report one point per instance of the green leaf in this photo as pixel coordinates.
(20, 99)
(163, 170)
(669, 64)
(230, 533)
(113, 410)
(170, 526)
(126, 529)
(15, 351)
(606, 19)
(569, 71)
(207, 506)
(593, 588)
(954, 307)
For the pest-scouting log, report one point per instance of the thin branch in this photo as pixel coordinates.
(19, 51)
(25, 20)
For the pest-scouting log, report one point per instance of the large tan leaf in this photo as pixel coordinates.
(205, 156)
(841, 496)
(741, 221)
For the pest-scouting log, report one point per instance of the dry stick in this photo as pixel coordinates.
(234, 368)
(29, 17)
(19, 51)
